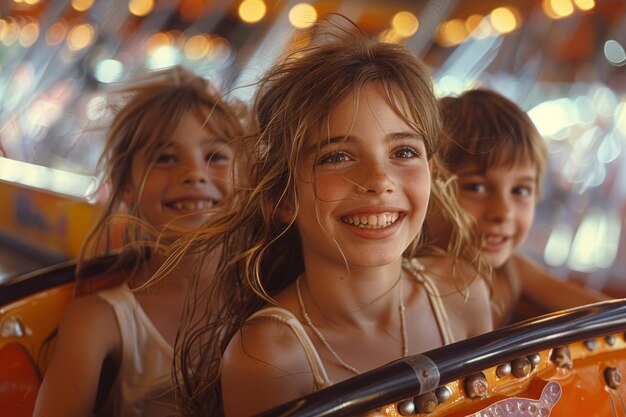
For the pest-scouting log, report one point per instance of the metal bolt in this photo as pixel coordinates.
(562, 357)
(426, 403)
(476, 386)
(613, 377)
(610, 340)
(443, 394)
(503, 370)
(535, 360)
(406, 408)
(591, 344)
(521, 367)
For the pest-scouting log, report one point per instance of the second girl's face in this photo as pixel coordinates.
(502, 200)
(190, 176)
(367, 189)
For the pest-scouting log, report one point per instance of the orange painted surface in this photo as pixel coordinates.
(19, 381)
(40, 315)
(583, 388)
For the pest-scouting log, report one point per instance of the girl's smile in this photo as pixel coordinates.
(365, 183)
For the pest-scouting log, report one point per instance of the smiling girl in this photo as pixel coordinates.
(169, 163)
(325, 260)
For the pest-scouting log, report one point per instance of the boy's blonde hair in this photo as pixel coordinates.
(485, 128)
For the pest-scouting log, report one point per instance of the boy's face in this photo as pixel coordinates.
(502, 201)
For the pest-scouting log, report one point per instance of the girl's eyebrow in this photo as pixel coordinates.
(395, 136)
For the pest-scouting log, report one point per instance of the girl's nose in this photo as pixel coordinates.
(499, 208)
(376, 179)
(196, 172)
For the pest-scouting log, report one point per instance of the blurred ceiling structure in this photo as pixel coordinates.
(563, 61)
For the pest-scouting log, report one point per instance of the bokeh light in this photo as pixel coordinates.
(302, 15)
(252, 11)
(140, 7)
(80, 36)
(405, 24)
(82, 5)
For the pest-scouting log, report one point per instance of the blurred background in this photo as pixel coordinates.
(563, 61)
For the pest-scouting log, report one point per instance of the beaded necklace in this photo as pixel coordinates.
(320, 335)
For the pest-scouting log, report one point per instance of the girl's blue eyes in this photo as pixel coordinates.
(334, 158)
(337, 157)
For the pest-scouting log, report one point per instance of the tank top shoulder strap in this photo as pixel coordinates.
(434, 297)
(287, 317)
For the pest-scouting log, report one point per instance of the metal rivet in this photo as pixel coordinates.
(610, 340)
(406, 408)
(562, 357)
(443, 394)
(613, 377)
(503, 370)
(426, 403)
(476, 386)
(535, 360)
(520, 367)
(591, 344)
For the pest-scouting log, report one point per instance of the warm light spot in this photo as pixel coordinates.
(197, 46)
(31, 2)
(29, 34)
(80, 36)
(82, 5)
(472, 22)
(504, 19)
(390, 36)
(405, 24)
(219, 49)
(10, 32)
(557, 9)
(585, 5)
(452, 32)
(157, 40)
(140, 7)
(302, 15)
(56, 33)
(252, 11)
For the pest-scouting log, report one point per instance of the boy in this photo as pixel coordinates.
(498, 157)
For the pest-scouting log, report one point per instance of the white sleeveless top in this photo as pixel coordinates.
(143, 386)
(315, 362)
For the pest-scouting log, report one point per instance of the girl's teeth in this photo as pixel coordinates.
(193, 205)
(371, 221)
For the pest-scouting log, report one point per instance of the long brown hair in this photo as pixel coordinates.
(262, 253)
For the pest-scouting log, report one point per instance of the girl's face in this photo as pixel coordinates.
(367, 189)
(502, 200)
(190, 176)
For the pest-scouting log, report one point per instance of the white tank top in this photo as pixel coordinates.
(143, 386)
(320, 375)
